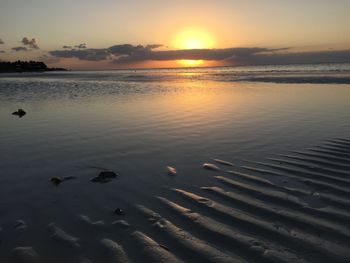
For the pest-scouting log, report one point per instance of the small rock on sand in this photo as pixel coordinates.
(104, 177)
(24, 255)
(119, 212)
(20, 113)
(57, 180)
(171, 170)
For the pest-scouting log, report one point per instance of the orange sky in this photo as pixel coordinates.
(190, 24)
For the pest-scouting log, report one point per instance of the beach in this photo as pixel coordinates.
(277, 191)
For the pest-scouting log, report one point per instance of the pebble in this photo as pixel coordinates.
(57, 180)
(104, 177)
(119, 212)
(171, 170)
(20, 113)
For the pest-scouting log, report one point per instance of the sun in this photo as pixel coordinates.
(190, 62)
(193, 38)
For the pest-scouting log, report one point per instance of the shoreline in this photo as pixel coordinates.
(34, 71)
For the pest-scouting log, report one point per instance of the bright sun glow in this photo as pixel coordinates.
(193, 39)
(190, 62)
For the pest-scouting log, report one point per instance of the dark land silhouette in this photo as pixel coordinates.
(26, 66)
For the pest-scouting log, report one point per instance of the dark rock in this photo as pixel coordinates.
(20, 113)
(104, 177)
(57, 180)
(119, 212)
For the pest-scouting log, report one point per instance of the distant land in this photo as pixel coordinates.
(26, 66)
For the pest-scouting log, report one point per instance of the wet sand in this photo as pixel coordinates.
(192, 171)
(249, 214)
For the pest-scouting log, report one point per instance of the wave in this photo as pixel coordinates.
(314, 73)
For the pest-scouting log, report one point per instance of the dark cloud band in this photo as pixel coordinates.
(17, 49)
(83, 45)
(126, 53)
(85, 54)
(130, 53)
(111, 53)
(193, 54)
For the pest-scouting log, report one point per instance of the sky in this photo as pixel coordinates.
(107, 34)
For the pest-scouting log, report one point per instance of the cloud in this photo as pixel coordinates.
(194, 54)
(83, 45)
(30, 43)
(110, 53)
(86, 54)
(17, 49)
(328, 56)
(1, 42)
(125, 49)
(154, 46)
(127, 53)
